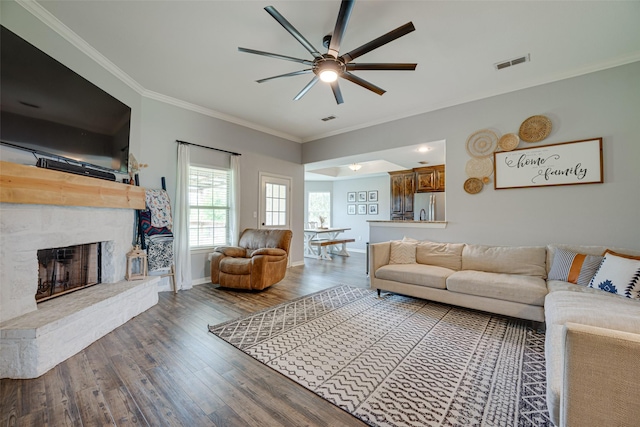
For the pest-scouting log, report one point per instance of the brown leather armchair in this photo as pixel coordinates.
(259, 261)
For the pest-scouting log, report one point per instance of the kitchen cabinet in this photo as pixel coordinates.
(430, 179)
(402, 190)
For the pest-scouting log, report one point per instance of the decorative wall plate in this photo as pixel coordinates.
(535, 128)
(508, 142)
(473, 185)
(479, 168)
(482, 143)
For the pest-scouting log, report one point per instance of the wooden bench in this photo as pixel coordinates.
(322, 246)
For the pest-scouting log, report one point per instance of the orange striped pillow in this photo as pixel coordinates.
(573, 267)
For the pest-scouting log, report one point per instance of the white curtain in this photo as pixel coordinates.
(181, 226)
(234, 215)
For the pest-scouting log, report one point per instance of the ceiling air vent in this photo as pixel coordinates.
(423, 162)
(514, 61)
(326, 119)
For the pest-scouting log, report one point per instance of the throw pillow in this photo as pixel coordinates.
(618, 275)
(402, 253)
(573, 267)
(609, 251)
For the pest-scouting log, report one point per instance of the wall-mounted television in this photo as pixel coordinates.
(50, 110)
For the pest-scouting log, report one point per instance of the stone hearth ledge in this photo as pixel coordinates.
(35, 342)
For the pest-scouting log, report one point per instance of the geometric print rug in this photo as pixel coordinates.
(401, 361)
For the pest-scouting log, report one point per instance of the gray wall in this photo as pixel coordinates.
(602, 104)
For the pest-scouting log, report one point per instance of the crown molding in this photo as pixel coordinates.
(217, 115)
(605, 65)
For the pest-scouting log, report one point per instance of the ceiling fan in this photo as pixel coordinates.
(328, 67)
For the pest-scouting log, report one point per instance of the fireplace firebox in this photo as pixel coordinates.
(67, 269)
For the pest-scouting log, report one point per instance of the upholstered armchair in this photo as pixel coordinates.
(259, 261)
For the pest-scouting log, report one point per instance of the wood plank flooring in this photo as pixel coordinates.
(163, 368)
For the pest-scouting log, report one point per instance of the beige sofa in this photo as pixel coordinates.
(585, 328)
(503, 280)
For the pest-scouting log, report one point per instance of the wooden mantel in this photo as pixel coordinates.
(33, 185)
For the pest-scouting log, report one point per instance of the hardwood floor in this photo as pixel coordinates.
(163, 368)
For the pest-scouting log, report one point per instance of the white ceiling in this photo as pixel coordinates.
(186, 52)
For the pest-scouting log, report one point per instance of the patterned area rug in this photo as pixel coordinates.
(401, 361)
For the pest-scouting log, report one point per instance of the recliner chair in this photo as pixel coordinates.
(259, 261)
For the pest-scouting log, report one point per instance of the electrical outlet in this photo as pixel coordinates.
(255, 214)
(359, 237)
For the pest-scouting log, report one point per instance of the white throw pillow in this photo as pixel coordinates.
(402, 253)
(618, 275)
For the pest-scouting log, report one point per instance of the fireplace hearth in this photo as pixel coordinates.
(67, 269)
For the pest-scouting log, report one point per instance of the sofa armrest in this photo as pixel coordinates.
(378, 256)
(601, 381)
(269, 251)
(233, 251)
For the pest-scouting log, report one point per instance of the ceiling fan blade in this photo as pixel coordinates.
(306, 88)
(291, 29)
(295, 73)
(380, 41)
(381, 66)
(341, 25)
(275, 55)
(361, 82)
(335, 87)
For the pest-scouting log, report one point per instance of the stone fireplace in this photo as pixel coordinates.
(36, 337)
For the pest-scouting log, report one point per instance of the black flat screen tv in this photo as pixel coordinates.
(50, 110)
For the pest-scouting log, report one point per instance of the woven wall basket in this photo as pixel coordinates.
(482, 143)
(508, 142)
(535, 128)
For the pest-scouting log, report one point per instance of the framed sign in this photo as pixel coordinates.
(362, 196)
(568, 163)
(362, 209)
(351, 196)
(351, 209)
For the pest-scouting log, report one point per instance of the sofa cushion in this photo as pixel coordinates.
(618, 275)
(507, 287)
(416, 274)
(559, 285)
(402, 253)
(593, 309)
(523, 260)
(573, 267)
(448, 255)
(236, 266)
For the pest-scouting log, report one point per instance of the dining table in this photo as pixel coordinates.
(311, 234)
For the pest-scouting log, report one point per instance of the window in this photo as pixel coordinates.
(319, 205)
(209, 200)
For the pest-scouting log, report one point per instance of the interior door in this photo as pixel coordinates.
(275, 201)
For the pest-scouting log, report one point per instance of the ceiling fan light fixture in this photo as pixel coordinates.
(328, 70)
(328, 76)
(355, 167)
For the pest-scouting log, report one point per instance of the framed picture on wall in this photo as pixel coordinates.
(351, 209)
(362, 196)
(362, 209)
(351, 197)
(373, 196)
(373, 209)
